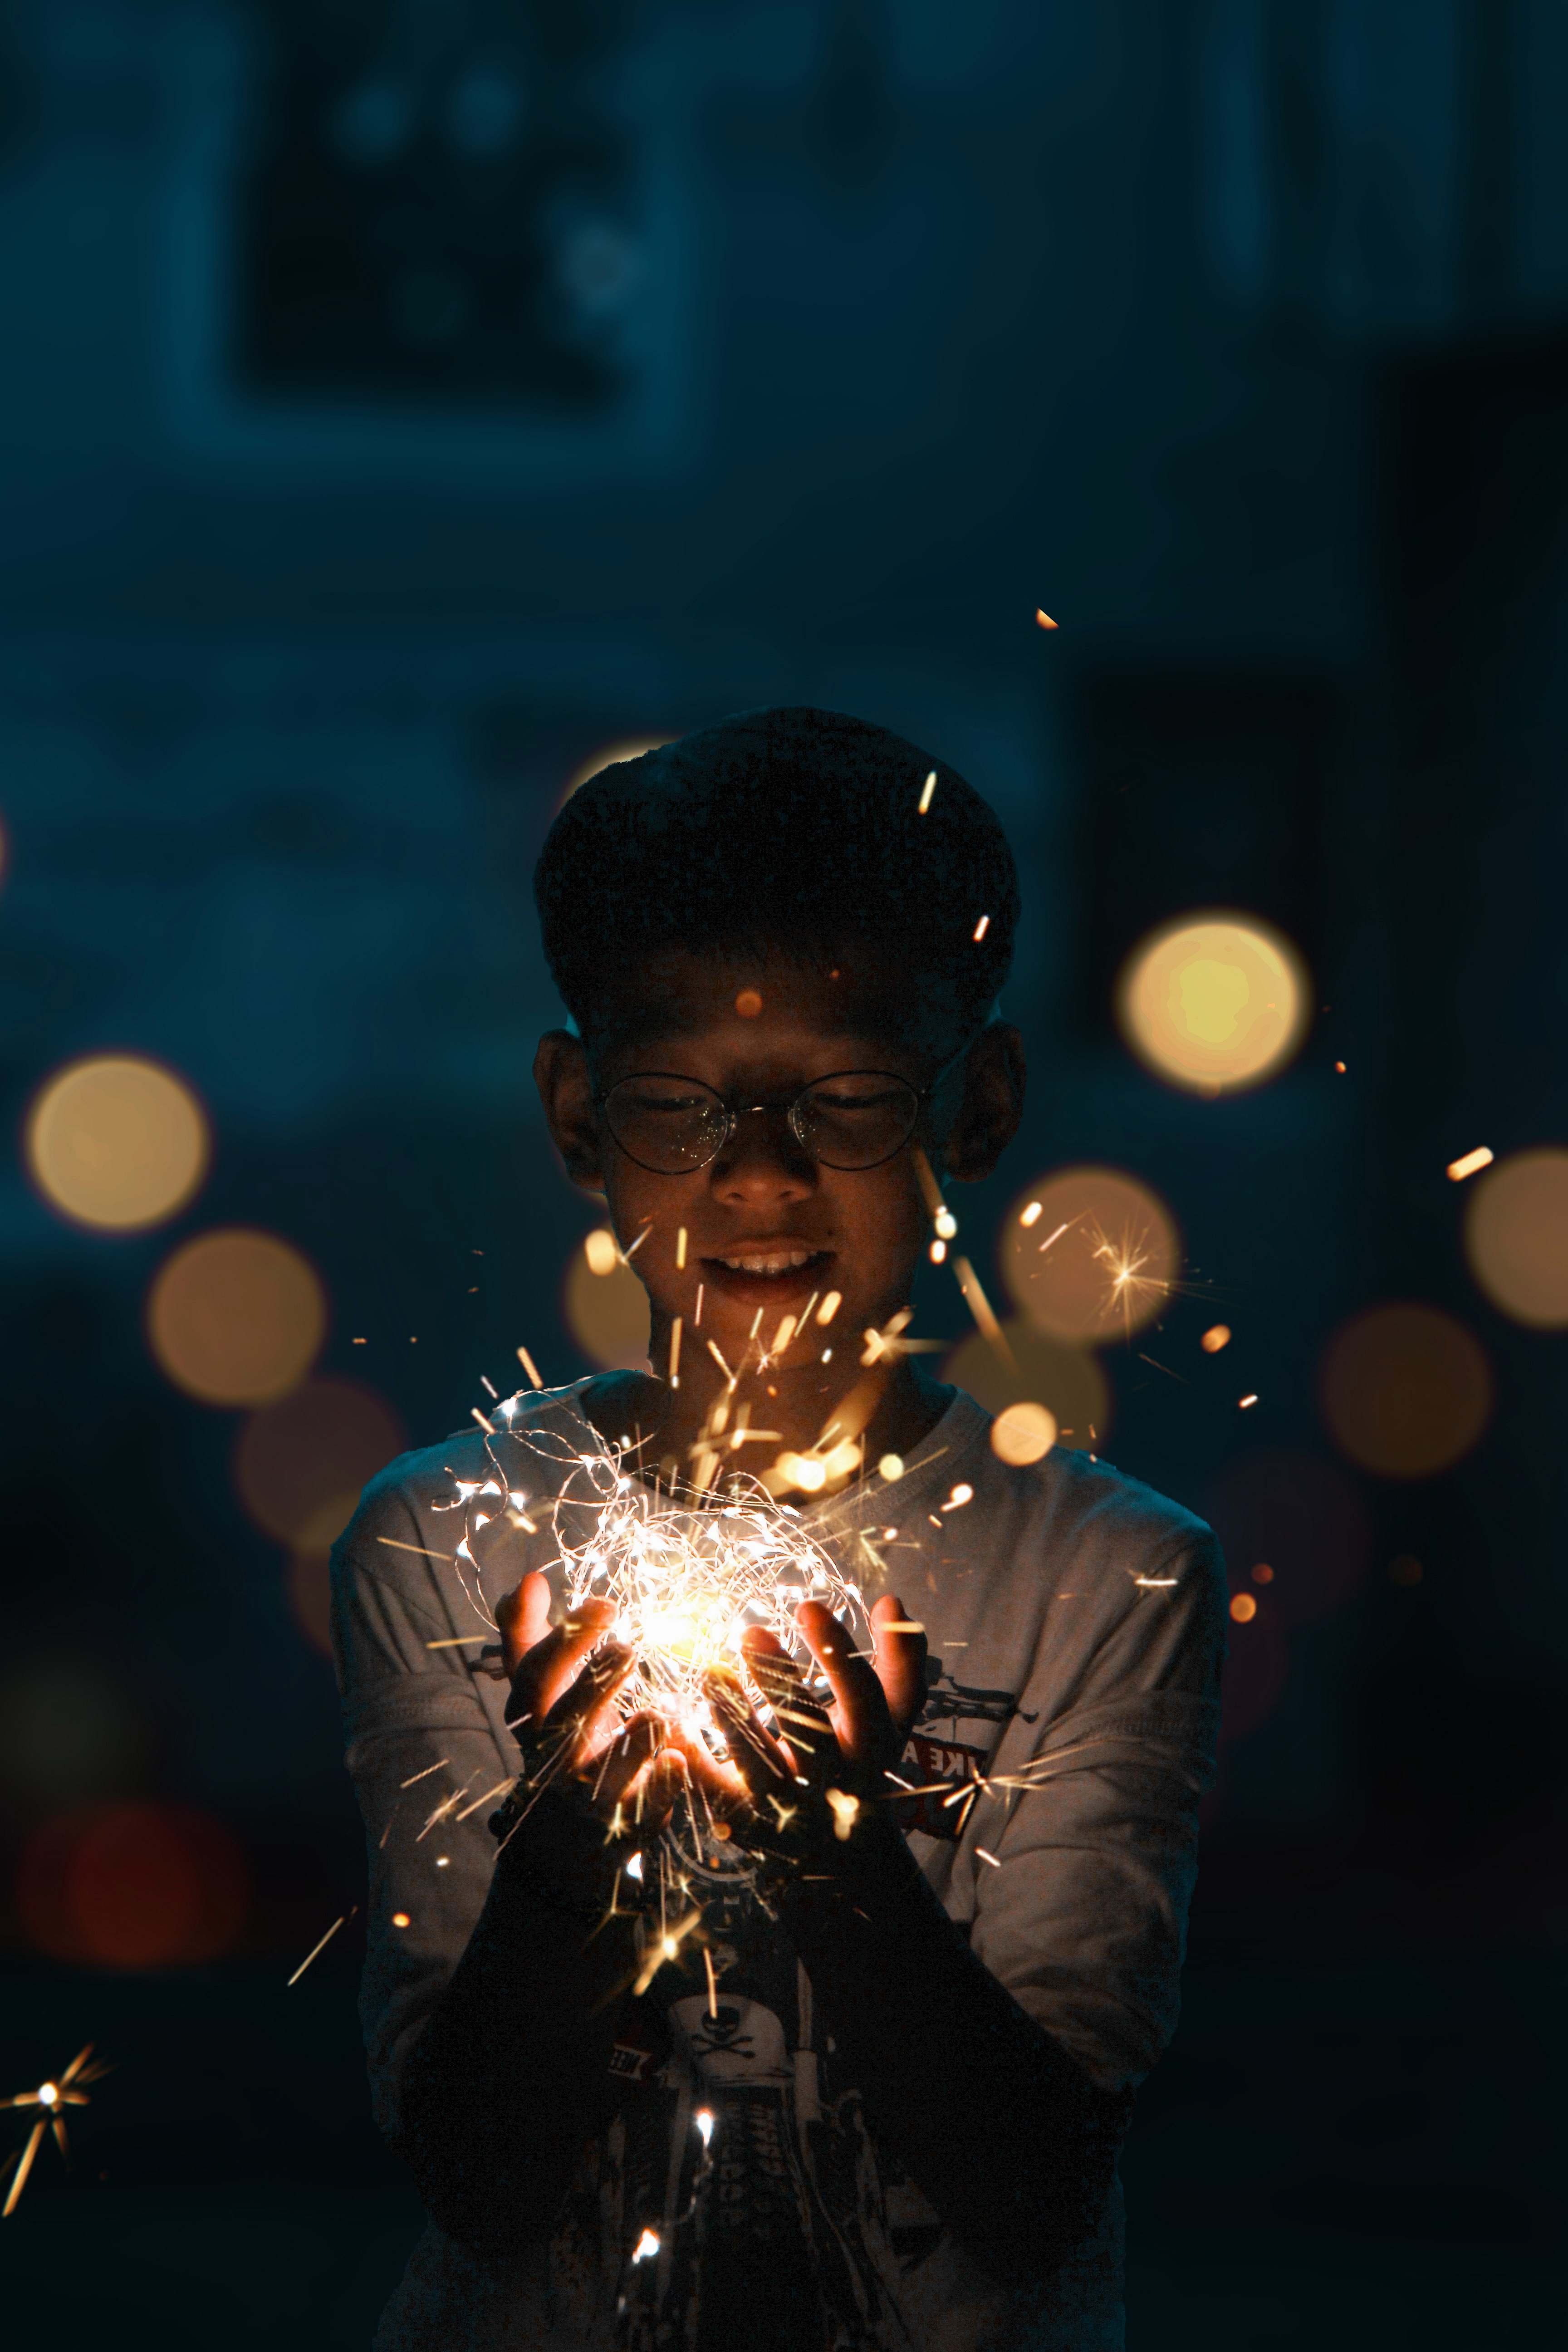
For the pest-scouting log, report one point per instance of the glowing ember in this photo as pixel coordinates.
(69, 2091)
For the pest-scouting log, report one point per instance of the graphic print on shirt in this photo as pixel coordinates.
(937, 1811)
(781, 2231)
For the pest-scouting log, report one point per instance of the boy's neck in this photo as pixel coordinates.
(794, 1406)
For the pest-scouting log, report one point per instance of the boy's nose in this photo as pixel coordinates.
(763, 1161)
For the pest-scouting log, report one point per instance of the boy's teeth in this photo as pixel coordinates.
(776, 1262)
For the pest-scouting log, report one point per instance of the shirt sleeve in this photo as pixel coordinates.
(428, 1764)
(1082, 1916)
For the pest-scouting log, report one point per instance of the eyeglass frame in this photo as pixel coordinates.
(734, 1112)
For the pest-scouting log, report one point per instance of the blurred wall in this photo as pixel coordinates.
(401, 405)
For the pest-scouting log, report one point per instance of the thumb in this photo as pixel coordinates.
(524, 1617)
(901, 1658)
(667, 1777)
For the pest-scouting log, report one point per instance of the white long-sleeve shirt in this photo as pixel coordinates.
(1076, 1624)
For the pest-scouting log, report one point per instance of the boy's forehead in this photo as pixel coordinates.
(680, 993)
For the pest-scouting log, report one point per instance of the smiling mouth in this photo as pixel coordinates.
(780, 1265)
(769, 1261)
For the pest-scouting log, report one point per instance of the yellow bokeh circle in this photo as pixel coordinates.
(1040, 1372)
(1213, 1002)
(607, 1313)
(1090, 1253)
(237, 1316)
(116, 1141)
(1516, 1237)
(1023, 1433)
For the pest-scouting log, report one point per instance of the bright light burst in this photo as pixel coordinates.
(686, 1584)
(1131, 1289)
(67, 2090)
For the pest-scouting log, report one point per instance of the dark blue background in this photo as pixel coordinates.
(397, 404)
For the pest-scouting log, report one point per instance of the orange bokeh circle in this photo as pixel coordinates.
(1406, 1390)
(135, 1886)
(1516, 1236)
(302, 1460)
(237, 1316)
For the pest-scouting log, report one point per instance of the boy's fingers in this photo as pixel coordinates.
(523, 1620)
(544, 1670)
(756, 1757)
(720, 1784)
(590, 1702)
(627, 1756)
(781, 1682)
(664, 1785)
(856, 1690)
(900, 1661)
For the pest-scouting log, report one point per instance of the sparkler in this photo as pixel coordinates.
(687, 1582)
(65, 2091)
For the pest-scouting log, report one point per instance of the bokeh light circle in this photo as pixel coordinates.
(601, 1250)
(133, 1886)
(1066, 1382)
(307, 1457)
(237, 1316)
(1023, 1433)
(1406, 1390)
(1089, 1254)
(610, 755)
(607, 1314)
(116, 1142)
(1516, 1237)
(1213, 1002)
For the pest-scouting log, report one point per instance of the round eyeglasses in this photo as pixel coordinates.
(851, 1119)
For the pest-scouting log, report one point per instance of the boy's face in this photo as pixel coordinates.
(767, 1225)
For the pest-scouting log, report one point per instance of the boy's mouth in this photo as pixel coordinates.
(767, 1270)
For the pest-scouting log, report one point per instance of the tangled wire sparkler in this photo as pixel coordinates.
(686, 1582)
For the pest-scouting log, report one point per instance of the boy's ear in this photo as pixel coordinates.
(565, 1086)
(987, 1117)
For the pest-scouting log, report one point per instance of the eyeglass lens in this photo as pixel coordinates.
(672, 1125)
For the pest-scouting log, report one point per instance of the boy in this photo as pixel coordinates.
(874, 2097)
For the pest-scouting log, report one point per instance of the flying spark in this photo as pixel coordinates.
(67, 2090)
